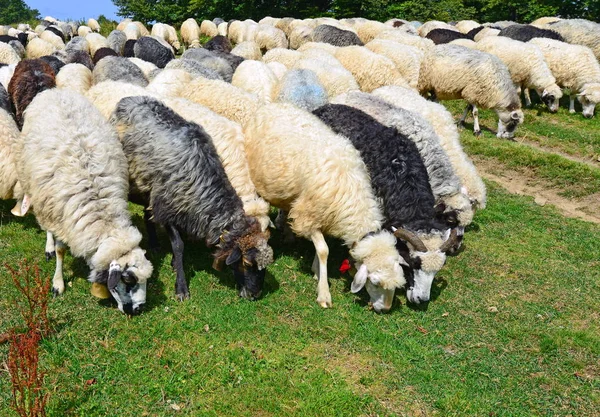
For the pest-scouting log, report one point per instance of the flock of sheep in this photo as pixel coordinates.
(324, 119)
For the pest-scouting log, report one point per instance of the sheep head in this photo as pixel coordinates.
(550, 96)
(508, 122)
(589, 97)
(378, 269)
(247, 252)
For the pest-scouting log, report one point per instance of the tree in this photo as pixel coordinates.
(16, 11)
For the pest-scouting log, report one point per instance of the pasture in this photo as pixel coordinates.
(512, 329)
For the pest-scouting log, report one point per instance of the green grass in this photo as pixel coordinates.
(284, 356)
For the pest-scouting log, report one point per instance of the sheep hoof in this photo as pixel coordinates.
(477, 133)
(182, 296)
(572, 111)
(460, 125)
(325, 302)
(56, 292)
(50, 255)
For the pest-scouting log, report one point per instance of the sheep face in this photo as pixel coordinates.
(588, 98)
(550, 96)
(508, 122)
(126, 280)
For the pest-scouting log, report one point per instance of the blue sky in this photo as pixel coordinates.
(74, 9)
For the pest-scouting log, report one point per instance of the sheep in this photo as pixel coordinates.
(336, 79)
(31, 77)
(247, 50)
(222, 28)
(335, 36)
(235, 31)
(440, 36)
(211, 61)
(78, 43)
(123, 24)
(527, 67)
(302, 88)
(485, 32)
(326, 47)
(423, 44)
(222, 98)
(321, 55)
(128, 49)
(169, 82)
(219, 43)
(8, 54)
(37, 48)
(106, 95)
(143, 30)
(55, 63)
(542, 21)
(83, 31)
(74, 175)
(190, 33)
(267, 37)
(278, 69)
(295, 160)
(444, 126)
(453, 72)
(580, 32)
(6, 73)
(166, 33)
(287, 57)
(9, 134)
(132, 31)
(116, 40)
(368, 68)
(75, 77)
(434, 24)
(178, 175)
(93, 25)
(525, 33)
(299, 36)
(208, 28)
(467, 43)
(228, 138)
(194, 68)
(575, 67)
(257, 78)
(103, 53)
(19, 49)
(452, 206)
(152, 50)
(406, 58)
(80, 57)
(251, 30)
(96, 41)
(52, 38)
(465, 26)
(172, 39)
(503, 24)
(369, 30)
(399, 180)
(118, 68)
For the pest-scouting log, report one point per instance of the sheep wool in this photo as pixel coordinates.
(406, 58)
(302, 88)
(118, 68)
(336, 80)
(74, 77)
(37, 48)
(257, 78)
(96, 41)
(248, 50)
(190, 33)
(8, 55)
(9, 134)
(169, 82)
(106, 95)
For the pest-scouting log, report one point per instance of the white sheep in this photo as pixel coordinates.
(248, 50)
(485, 32)
(106, 95)
(208, 28)
(143, 30)
(452, 72)
(575, 67)
(370, 70)
(578, 31)
(96, 41)
(434, 24)
(299, 165)
(132, 31)
(235, 31)
(336, 79)
(37, 48)
(327, 47)
(190, 33)
(465, 26)
(467, 43)
(368, 30)
(423, 44)
(83, 31)
(278, 69)
(444, 126)
(147, 68)
(222, 28)
(75, 77)
(267, 37)
(257, 78)
(228, 139)
(93, 25)
(167, 33)
(222, 98)
(287, 57)
(169, 82)
(6, 73)
(8, 55)
(75, 177)
(9, 134)
(54, 39)
(542, 21)
(299, 36)
(406, 58)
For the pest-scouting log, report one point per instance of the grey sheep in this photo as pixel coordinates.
(116, 40)
(335, 36)
(118, 68)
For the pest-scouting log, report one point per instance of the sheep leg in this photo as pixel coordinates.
(151, 229)
(571, 104)
(527, 97)
(58, 283)
(181, 288)
(461, 122)
(50, 251)
(323, 294)
(476, 129)
(282, 224)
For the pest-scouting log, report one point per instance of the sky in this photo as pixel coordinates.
(74, 9)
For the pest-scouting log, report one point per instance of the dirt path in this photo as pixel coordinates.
(522, 183)
(594, 163)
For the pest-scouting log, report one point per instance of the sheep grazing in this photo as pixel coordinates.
(166, 33)
(452, 206)
(257, 78)
(77, 44)
(96, 42)
(118, 68)
(302, 88)
(80, 57)
(485, 32)
(128, 51)
(93, 25)
(404, 38)
(440, 36)
(335, 36)
(434, 24)
(299, 36)
(299, 165)
(222, 98)
(55, 63)
(406, 58)
(8, 55)
(575, 67)
(208, 28)
(228, 139)
(74, 174)
(169, 82)
(103, 53)
(527, 67)
(452, 72)
(219, 43)
(370, 70)
(83, 31)
(75, 77)
(190, 33)
(400, 181)
(212, 61)
(52, 38)
(336, 79)
(116, 40)
(37, 48)
(444, 126)
(152, 50)
(177, 173)
(525, 33)
(132, 31)
(287, 57)
(31, 77)
(578, 31)
(194, 68)
(19, 49)
(267, 37)
(368, 30)
(106, 95)
(247, 50)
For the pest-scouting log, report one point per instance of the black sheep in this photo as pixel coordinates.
(440, 36)
(335, 36)
(151, 50)
(525, 33)
(218, 43)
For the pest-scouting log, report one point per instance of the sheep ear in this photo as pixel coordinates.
(22, 207)
(360, 279)
(114, 275)
(234, 256)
